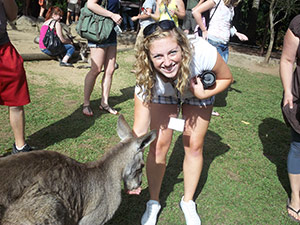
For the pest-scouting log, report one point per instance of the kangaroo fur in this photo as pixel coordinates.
(49, 188)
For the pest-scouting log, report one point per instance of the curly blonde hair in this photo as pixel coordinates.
(145, 72)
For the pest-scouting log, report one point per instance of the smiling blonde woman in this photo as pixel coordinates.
(168, 65)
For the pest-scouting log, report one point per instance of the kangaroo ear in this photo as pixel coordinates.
(145, 140)
(123, 129)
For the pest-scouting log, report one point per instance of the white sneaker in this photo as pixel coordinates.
(190, 212)
(150, 215)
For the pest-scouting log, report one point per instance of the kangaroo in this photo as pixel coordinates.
(46, 187)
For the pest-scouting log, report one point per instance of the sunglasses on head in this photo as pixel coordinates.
(164, 25)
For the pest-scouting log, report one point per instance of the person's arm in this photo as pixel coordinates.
(141, 117)
(242, 37)
(11, 9)
(180, 11)
(58, 29)
(142, 16)
(156, 15)
(288, 56)
(197, 14)
(223, 80)
(93, 6)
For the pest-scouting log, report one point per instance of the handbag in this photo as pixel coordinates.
(52, 41)
(92, 26)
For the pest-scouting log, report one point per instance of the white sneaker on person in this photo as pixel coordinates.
(190, 212)
(150, 215)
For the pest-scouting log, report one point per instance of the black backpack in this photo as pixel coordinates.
(52, 41)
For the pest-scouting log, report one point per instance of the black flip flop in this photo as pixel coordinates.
(288, 207)
(108, 109)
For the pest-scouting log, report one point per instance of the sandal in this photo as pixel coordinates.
(89, 110)
(288, 207)
(108, 109)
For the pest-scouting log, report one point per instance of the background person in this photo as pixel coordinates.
(149, 7)
(169, 10)
(73, 11)
(167, 67)
(290, 109)
(53, 15)
(220, 26)
(189, 23)
(13, 84)
(102, 54)
(127, 22)
(43, 6)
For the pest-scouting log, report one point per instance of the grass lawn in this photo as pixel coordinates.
(244, 179)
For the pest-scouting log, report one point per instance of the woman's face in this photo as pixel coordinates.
(56, 17)
(166, 55)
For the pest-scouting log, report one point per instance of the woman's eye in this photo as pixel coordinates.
(157, 57)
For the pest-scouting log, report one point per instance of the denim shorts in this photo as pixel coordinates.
(222, 49)
(110, 41)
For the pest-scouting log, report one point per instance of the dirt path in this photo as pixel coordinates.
(23, 41)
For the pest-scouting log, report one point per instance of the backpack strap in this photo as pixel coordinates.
(214, 11)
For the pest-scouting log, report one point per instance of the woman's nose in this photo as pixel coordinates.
(167, 61)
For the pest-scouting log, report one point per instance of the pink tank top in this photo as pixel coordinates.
(43, 31)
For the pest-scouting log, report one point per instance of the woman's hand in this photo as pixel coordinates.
(288, 99)
(241, 36)
(205, 35)
(196, 87)
(116, 18)
(135, 18)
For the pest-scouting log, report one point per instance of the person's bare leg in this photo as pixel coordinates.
(295, 195)
(156, 160)
(17, 123)
(196, 126)
(97, 60)
(109, 68)
(68, 18)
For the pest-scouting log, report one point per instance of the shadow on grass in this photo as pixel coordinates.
(275, 137)
(221, 97)
(133, 207)
(75, 124)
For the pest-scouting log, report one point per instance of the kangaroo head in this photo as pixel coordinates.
(132, 174)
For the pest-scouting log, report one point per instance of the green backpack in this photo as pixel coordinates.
(92, 26)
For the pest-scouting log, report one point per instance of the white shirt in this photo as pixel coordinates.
(220, 24)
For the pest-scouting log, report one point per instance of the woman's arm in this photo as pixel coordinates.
(156, 15)
(11, 9)
(59, 32)
(197, 13)
(141, 117)
(142, 16)
(93, 6)
(180, 11)
(288, 56)
(223, 80)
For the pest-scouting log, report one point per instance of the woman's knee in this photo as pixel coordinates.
(194, 152)
(159, 153)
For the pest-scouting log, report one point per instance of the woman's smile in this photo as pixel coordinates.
(166, 56)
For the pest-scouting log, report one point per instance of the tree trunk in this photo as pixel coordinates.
(272, 32)
(252, 20)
